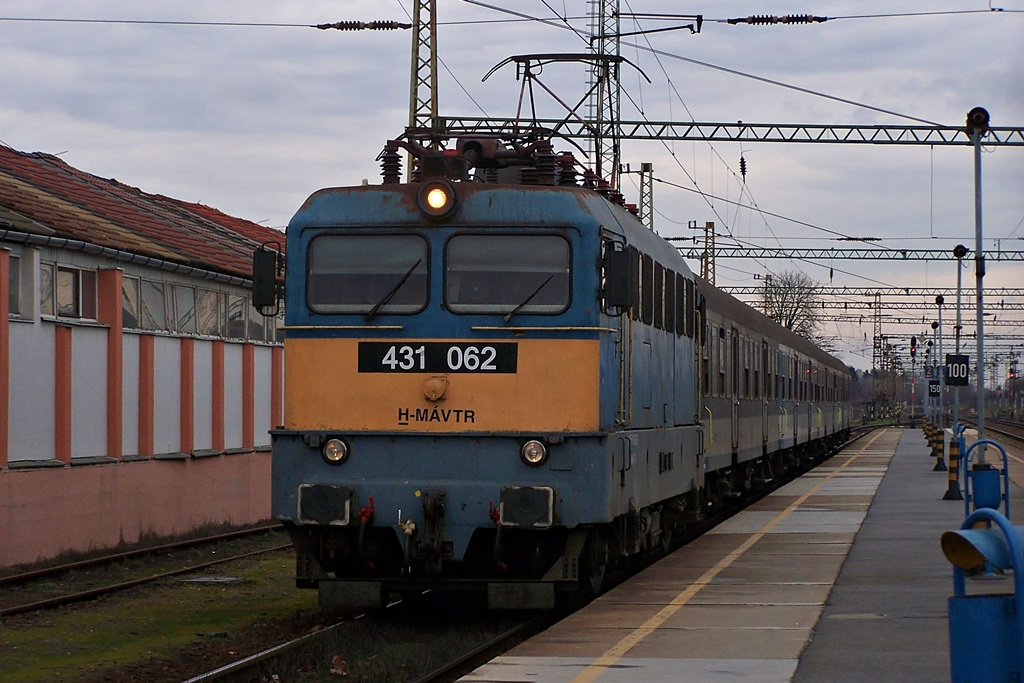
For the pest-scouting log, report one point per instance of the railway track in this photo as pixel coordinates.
(471, 650)
(312, 650)
(1004, 428)
(10, 605)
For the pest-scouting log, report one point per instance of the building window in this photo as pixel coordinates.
(208, 316)
(129, 302)
(14, 282)
(159, 306)
(46, 299)
(67, 292)
(257, 325)
(235, 307)
(153, 306)
(185, 308)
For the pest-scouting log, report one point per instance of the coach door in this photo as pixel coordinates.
(734, 370)
(764, 390)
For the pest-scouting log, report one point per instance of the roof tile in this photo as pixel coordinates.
(42, 190)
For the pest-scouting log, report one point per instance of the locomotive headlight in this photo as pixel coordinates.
(534, 453)
(437, 198)
(335, 451)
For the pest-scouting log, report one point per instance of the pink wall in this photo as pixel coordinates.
(45, 512)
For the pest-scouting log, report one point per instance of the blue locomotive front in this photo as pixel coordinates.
(454, 401)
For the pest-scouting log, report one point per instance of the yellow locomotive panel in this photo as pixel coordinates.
(553, 388)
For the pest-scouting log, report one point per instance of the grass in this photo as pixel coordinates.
(156, 621)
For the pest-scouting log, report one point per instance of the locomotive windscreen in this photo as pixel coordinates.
(506, 273)
(367, 274)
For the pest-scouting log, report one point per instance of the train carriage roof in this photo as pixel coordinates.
(750, 317)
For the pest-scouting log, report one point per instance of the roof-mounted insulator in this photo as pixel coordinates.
(590, 179)
(390, 164)
(787, 19)
(546, 163)
(566, 169)
(364, 26)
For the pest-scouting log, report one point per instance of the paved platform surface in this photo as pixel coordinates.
(837, 576)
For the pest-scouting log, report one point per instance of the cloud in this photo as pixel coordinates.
(251, 120)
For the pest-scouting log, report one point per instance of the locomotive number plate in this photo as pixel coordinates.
(445, 357)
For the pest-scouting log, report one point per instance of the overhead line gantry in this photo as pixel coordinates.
(884, 291)
(696, 252)
(739, 131)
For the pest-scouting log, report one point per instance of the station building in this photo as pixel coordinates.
(138, 383)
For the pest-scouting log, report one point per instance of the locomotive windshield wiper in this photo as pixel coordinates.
(394, 290)
(528, 299)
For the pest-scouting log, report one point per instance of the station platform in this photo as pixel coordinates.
(837, 576)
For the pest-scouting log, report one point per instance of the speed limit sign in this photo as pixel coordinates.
(958, 370)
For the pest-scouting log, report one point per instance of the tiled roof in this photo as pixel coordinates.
(40, 193)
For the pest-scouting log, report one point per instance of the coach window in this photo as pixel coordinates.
(705, 357)
(659, 296)
(638, 289)
(748, 368)
(722, 360)
(507, 274)
(712, 350)
(366, 274)
(646, 290)
(680, 305)
(759, 362)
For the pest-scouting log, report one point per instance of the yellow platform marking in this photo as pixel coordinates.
(617, 651)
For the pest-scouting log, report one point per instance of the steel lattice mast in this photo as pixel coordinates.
(603, 107)
(423, 81)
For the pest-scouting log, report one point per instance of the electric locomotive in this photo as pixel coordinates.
(498, 380)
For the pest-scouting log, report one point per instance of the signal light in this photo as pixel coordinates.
(913, 346)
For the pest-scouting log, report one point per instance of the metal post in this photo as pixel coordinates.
(977, 126)
(939, 300)
(913, 391)
(940, 453)
(959, 251)
(932, 403)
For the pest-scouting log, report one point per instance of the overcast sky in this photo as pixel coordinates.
(252, 119)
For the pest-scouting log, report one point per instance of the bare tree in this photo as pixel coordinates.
(791, 299)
